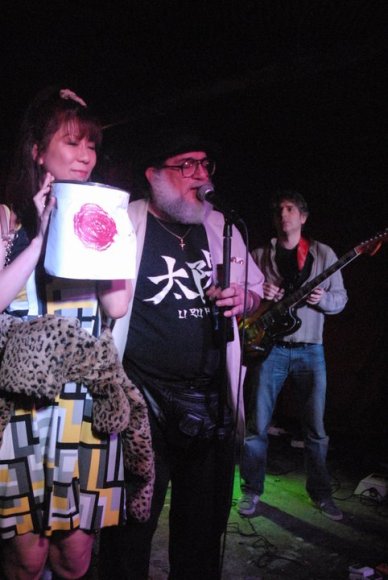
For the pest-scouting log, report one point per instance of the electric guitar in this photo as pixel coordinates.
(276, 319)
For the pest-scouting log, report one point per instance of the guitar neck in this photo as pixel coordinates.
(305, 290)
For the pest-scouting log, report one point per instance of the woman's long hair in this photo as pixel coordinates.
(45, 115)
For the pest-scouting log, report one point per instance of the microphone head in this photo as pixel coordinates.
(204, 191)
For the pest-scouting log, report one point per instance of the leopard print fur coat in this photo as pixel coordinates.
(37, 357)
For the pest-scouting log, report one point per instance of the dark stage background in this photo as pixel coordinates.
(293, 91)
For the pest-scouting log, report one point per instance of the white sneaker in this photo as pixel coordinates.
(248, 503)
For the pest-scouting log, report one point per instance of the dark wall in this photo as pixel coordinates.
(293, 91)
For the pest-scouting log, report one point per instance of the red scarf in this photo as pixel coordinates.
(301, 252)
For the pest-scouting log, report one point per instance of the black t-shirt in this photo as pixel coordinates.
(172, 331)
(287, 263)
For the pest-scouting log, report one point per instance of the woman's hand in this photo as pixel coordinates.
(44, 203)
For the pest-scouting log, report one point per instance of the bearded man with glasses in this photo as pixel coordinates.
(171, 350)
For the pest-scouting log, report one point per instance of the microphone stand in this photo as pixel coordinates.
(225, 459)
(225, 328)
(225, 451)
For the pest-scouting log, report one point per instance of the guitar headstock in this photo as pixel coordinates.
(373, 245)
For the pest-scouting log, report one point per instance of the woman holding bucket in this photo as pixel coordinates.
(46, 446)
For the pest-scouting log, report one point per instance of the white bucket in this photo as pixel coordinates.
(90, 235)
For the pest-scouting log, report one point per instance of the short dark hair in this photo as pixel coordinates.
(291, 195)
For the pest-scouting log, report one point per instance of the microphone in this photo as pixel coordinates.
(206, 193)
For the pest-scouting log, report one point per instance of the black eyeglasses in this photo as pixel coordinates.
(190, 166)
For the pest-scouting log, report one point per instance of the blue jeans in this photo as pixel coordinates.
(305, 365)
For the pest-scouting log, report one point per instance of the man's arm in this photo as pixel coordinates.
(331, 296)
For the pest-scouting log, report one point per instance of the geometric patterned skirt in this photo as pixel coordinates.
(55, 472)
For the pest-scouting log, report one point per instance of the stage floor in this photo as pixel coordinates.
(291, 539)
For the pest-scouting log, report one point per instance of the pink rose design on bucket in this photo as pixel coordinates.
(94, 227)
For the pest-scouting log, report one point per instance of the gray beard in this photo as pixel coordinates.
(177, 209)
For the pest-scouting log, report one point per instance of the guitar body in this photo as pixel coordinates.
(265, 329)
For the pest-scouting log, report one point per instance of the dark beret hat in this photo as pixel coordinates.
(172, 141)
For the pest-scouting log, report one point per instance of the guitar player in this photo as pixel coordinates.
(288, 261)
